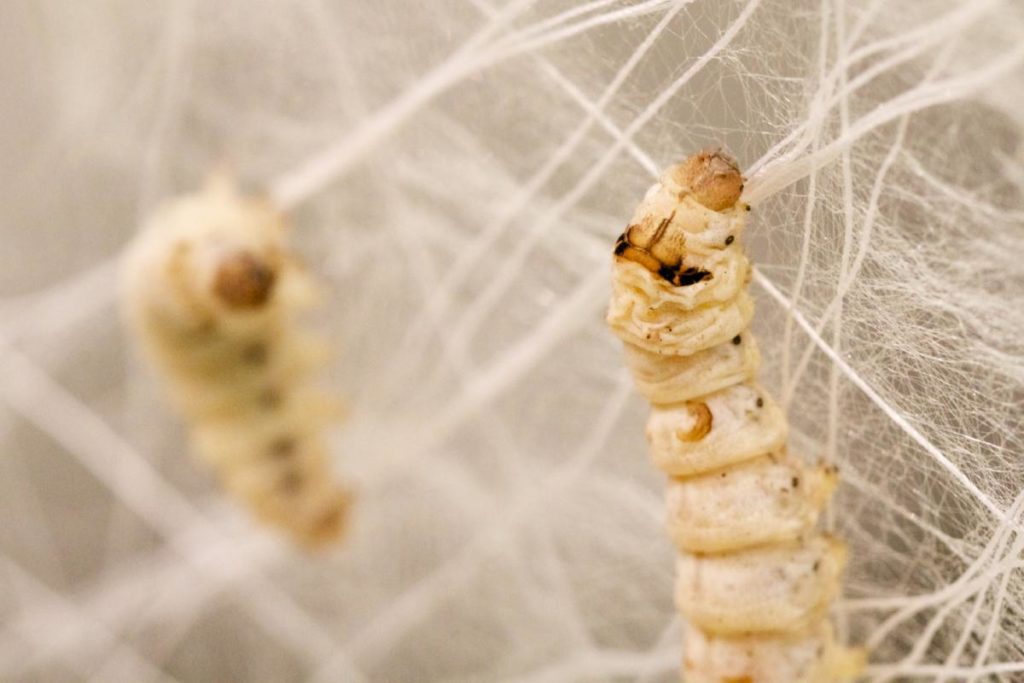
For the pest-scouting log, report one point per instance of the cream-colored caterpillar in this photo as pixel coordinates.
(755, 579)
(212, 292)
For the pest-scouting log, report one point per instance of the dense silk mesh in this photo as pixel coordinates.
(457, 172)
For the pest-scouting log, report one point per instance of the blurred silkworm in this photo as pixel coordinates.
(211, 293)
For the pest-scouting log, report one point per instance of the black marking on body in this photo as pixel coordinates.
(685, 277)
(691, 276)
(669, 272)
(673, 272)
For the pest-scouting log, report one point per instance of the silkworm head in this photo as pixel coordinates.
(712, 178)
(244, 280)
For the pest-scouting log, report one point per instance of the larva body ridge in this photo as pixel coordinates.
(213, 294)
(755, 576)
(663, 379)
(728, 426)
(756, 502)
(811, 657)
(777, 588)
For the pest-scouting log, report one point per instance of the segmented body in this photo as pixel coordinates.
(212, 292)
(755, 578)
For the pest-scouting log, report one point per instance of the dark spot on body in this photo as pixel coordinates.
(283, 447)
(817, 565)
(255, 354)
(729, 240)
(207, 327)
(737, 339)
(796, 482)
(329, 523)
(621, 245)
(291, 481)
(760, 402)
(269, 398)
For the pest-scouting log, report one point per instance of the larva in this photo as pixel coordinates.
(212, 294)
(755, 579)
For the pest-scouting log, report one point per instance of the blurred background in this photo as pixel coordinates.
(456, 172)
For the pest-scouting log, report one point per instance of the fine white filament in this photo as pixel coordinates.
(455, 171)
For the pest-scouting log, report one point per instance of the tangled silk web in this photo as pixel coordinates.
(457, 172)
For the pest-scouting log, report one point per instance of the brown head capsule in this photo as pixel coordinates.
(712, 178)
(244, 281)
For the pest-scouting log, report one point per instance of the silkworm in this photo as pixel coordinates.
(212, 292)
(755, 577)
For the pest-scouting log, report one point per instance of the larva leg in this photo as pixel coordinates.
(755, 579)
(212, 292)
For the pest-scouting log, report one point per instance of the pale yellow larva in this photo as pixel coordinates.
(211, 292)
(755, 578)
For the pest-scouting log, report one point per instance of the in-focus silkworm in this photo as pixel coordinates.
(212, 292)
(755, 578)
